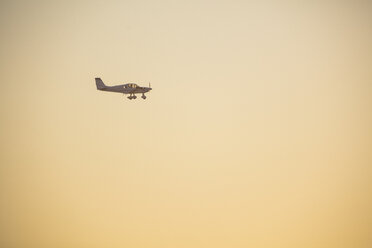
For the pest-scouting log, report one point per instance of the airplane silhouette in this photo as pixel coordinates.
(131, 89)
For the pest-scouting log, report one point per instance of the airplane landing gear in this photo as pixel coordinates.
(143, 97)
(132, 97)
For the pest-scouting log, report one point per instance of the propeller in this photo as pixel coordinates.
(149, 85)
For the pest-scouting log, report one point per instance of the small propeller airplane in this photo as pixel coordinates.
(131, 89)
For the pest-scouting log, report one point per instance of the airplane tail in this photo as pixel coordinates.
(99, 83)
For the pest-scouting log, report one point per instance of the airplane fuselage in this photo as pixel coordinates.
(122, 89)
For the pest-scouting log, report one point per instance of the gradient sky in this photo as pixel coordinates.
(258, 131)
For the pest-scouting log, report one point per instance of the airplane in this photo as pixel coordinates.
(131, 89)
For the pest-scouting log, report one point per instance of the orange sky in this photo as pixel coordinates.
(257, 132)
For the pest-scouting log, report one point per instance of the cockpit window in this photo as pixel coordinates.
(131, 86)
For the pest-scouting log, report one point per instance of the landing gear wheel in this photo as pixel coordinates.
(134, 97)
(143, 97)
(130, 97)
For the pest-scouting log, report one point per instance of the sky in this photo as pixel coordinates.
(257, 132)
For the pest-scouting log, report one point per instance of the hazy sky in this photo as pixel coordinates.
(258, 131)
